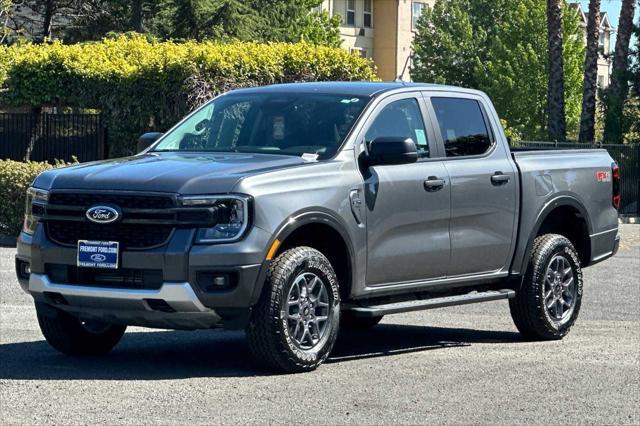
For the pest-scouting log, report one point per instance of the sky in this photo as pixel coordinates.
(612, 7)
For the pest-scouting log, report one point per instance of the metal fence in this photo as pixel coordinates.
(49, 137)
(628, 158)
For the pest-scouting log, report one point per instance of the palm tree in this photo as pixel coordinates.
(618, 90)
(555, 96)
(589, 88)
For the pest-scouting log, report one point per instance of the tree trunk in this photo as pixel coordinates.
(589, 88)
(35, 131)
(618, 90)
(136, 15)
(555, 95)
(49, 9)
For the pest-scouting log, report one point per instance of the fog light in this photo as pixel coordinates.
(210, 281)
(24, 269)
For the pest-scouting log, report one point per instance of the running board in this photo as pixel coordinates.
(438, 302)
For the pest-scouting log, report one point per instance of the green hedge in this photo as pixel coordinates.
(143, 85)
(15, 178)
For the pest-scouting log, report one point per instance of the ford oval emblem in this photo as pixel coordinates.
(103, 214)
(98, 257)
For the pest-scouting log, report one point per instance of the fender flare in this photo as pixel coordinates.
(316, 215)
(558, 201)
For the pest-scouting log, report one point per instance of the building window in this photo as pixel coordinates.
(368, 13)
(418, 8)
(351, 13)
(601, 44)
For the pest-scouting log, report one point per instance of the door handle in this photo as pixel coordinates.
(500, 178)
(433, 184)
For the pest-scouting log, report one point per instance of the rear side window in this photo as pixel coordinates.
(462, 125)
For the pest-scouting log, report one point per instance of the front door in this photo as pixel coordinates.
(407, 206)
(483, 186)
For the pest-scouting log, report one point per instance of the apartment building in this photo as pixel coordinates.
(604, 44)
(382, 30)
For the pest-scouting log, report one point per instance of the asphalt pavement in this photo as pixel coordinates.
(459, 365)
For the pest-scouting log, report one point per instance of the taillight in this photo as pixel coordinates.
(615, 175)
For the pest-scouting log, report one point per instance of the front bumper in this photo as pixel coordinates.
(127, 306)
(180, 302)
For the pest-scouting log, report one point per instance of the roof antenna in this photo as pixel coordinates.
(404, 70)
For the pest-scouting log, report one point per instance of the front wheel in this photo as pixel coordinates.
(294, 325)
(548, 301)
(72, 336)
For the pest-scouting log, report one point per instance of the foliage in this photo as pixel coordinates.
(15, 178)
(500, 47)
(618, 91)
(143, 85)
(220, 20)
(5, 11)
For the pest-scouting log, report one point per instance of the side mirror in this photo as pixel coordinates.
(146, 140)
(392, 150)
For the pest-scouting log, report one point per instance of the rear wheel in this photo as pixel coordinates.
(548, 302)
(73, 336)
(295, 323)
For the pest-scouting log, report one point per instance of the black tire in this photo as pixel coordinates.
(350, 321)
(528, 309)
(270, 339)
(71, 336)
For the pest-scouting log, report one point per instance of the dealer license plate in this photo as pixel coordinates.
(98, 254)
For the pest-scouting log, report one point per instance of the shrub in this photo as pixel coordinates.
(143, 85)
(15, 178)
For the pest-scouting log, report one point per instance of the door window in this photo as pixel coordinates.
(401, 119)
(462, 125)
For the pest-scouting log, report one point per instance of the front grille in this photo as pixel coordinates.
(147, 220)
(130, 236)
(146, 279)
(124, 201)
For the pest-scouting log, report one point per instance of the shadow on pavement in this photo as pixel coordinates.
(185, 354)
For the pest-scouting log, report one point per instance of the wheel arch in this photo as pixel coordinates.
(320, 229)
(564, 215)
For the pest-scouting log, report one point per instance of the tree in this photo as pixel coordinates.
(446, 45)
(5, 13)
(619, 88)
(555, 97)
(256, 20)
(500, 47)
(590, 88)
(38, 17)
(321, 29)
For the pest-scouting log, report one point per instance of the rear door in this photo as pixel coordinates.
(407, 218)
(483, 185)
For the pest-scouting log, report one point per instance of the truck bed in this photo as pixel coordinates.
(546, 175)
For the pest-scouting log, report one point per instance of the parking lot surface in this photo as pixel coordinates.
(455, 365)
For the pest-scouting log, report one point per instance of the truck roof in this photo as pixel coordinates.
(354, 88)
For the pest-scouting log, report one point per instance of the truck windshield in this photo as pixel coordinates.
(282, 123)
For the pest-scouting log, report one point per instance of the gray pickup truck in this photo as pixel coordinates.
(294, 210)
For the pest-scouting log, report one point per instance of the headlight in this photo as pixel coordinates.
(232, 213)
(34, 195)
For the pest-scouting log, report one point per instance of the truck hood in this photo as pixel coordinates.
(182, 173)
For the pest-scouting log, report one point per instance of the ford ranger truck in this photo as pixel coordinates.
(294, 210)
